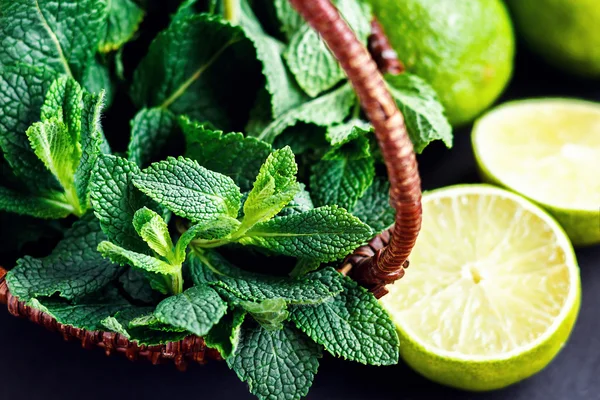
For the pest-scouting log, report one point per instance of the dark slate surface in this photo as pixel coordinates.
(35, 364)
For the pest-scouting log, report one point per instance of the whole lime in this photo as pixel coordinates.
(463, 48)
(565, 32)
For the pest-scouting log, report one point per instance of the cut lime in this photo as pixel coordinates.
(549, 151)
(492, 292)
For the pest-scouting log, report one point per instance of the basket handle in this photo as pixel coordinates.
(387, 264)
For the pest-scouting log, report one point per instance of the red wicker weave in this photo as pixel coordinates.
(375, 265)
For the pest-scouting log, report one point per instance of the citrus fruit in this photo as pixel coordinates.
(549, 151)
(492, 292)
(463, 48)
(564, 32)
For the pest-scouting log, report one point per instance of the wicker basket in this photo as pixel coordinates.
(375, 265)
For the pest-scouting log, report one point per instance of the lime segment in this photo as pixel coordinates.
(549, 151)
(492, 292)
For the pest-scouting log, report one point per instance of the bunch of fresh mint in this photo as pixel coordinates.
(234, 238)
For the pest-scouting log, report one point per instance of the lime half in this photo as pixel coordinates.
(549, 151)
(492, 292)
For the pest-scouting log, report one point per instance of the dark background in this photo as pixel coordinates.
(36, 364)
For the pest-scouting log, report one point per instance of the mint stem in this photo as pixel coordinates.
(232, 10)
(177, 282)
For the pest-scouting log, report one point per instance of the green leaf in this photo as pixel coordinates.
(308, 57)
(315, 68)
(211, 268)
(63, 103)
(73, 269)
(195, 310)
(51, 205)
(299, 204)
(230, 154)
(87, 313)
(304, 266)
(326, 110)
(374, 208)
(423, 113)
(97, 78)
(274, 188)
(224, 336)
(151, 129)
(270, 314)
(325, 234)
(92, 141)
(22, 93)
(277, 364)
(217, 229)
(342, 180)
(283, 91)
(154, 230)
(121, 321)
(196, 67)
(62, 36)
(352, 325)
(60, 152)
(338, 135)
(137, 285)
(290, 20)
(123, 19)
(115, 201)
(144, 262)
(189, 190)
(149, 320)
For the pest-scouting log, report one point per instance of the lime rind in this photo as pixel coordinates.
(582, 224)
(480, 373)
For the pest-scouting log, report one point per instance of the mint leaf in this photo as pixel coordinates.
(283, 91)
(51, 205)
(274, 188)
(338, 135)
(196, 68)
(87, 313)
(60, 152)
(299, 204)
(63, 103)
(144, 262)
(325, 234)
(374, 208)
(211, 268)
(216, 229)
(423, 113)
(73, 269)
(149, 320)
(189, 190)
(290, 20)
(121, 321)
(150, 131)
(154, 230)
(97, 78)
(138, 286)
(195, 310)
(326, 110)
(123, 19)
(231, 154)
(22, 93)
(115, 201)
(61, 36)
(304, 266)
(343, 179)
(311, 62)
(277, 364)
(270, 314)
(92, 141)
(313, 65)
(224, 336)
(352, 325)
